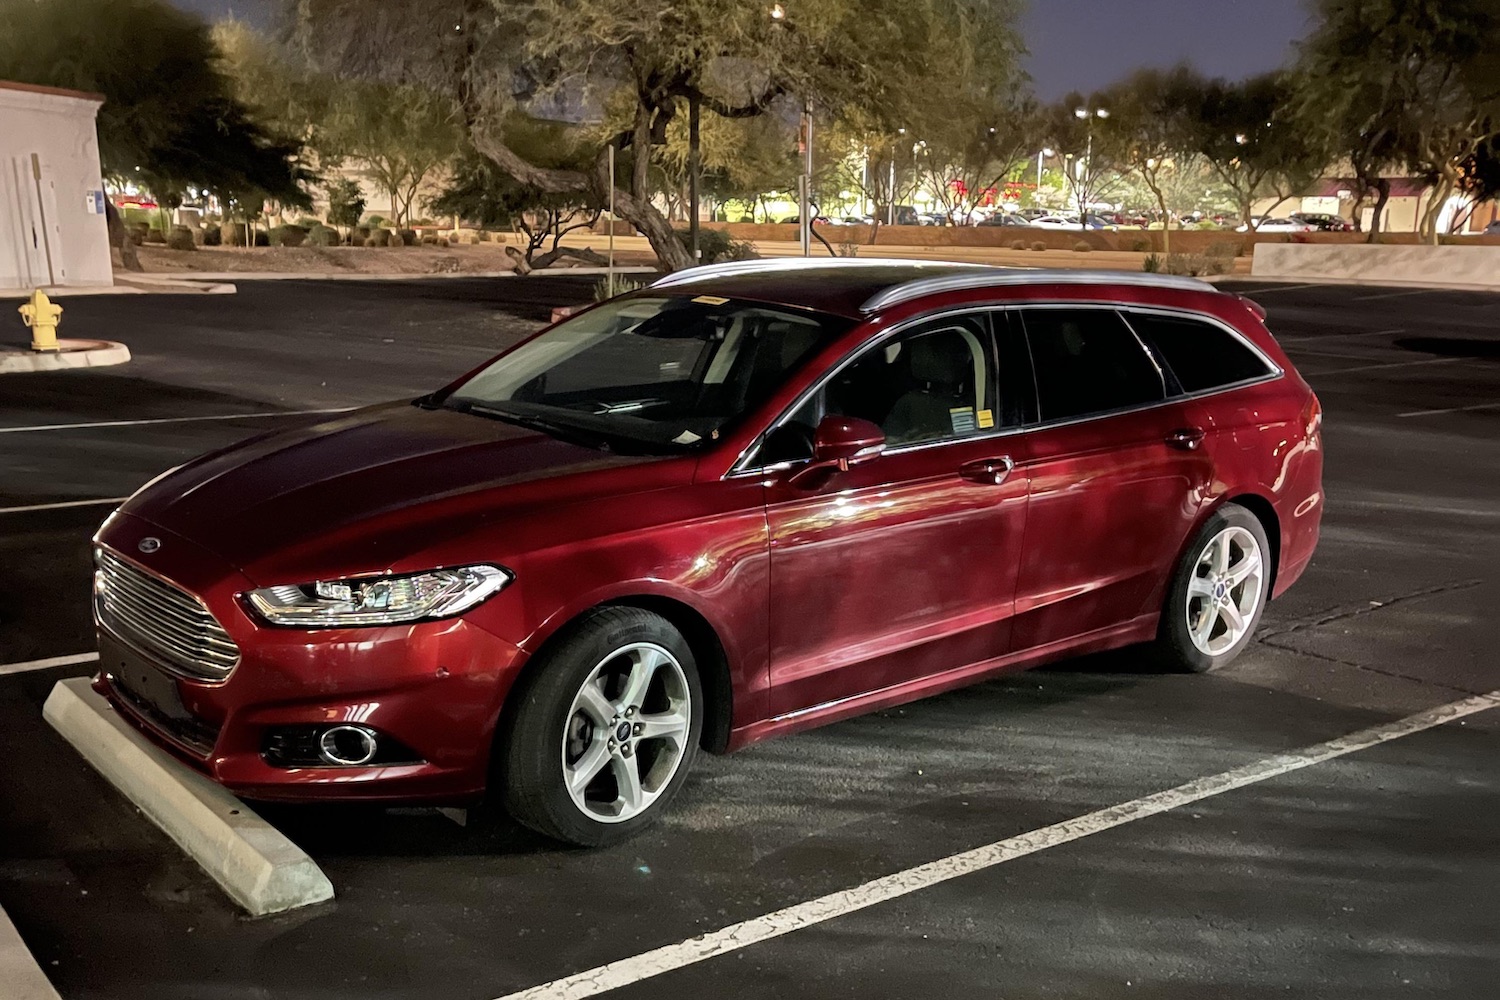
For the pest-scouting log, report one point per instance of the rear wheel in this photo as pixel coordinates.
(607, 730)
(1218, 593)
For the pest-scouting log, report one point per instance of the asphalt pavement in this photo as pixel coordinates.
(1370, 875)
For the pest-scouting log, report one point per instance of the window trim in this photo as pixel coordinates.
(742, 467)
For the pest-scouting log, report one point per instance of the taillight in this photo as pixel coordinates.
(1312, 414)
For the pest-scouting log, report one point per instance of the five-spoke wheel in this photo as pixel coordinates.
(1218, 593)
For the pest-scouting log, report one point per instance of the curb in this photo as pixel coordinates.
(251, 860)
(74, 354)
(23, 978)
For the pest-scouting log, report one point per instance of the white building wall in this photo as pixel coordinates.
(52, 225)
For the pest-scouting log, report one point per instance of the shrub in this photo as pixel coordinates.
(848, 248)
(1194, 264)
(233, 234)
(1082, 246)
(137, 232)
(154, 235)
(1206, 226)
(621, 286)
(715, 246)
(345, 202)
(261, 238)
(322, 236)
(181, 238)
(429, 239)
(375, 221)
(379, 238)
(443, 241)
(358, 235)
(1228, 249)
(308, 223)
(472, 239)
(1018, 244)
(1038, 246)
(211, 235)
(286, 236)
(408, 237)
(1152, 264)
(1140, 246)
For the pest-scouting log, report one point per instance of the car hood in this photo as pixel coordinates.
(360, 492)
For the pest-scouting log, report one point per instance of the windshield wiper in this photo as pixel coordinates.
(563, 432)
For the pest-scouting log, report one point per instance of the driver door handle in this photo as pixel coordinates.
(989, 471)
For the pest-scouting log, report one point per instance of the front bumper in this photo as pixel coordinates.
(435, 688)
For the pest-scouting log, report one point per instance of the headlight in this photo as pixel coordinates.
(379, 600)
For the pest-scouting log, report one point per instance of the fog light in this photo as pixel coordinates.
(347, 746)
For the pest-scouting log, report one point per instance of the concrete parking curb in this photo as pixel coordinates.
(255, 864)
(21, 977)
(73, 354)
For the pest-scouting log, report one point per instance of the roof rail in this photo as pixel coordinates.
(906, 291)
(774, 264)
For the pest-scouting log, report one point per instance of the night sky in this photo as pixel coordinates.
(1087, 44)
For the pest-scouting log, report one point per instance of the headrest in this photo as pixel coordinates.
(941, 358)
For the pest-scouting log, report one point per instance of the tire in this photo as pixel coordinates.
(582, 720)
(1198, 631)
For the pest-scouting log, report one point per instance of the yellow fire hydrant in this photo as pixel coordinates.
(42, 316)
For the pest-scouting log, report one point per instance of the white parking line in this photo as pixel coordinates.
(1451, 409)
(803, 915)
(22, 977)
(1393, 295)
(170, 420)
(1339, 336)
(1274, 288)
(62, 505)
(47, 664)
(1393, 364)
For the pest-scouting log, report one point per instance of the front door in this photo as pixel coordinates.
(1116, 476)
(904, 566)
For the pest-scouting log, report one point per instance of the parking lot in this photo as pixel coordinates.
(1370, 875)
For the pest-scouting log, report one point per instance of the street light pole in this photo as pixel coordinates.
(695, 169)
(1086, 165)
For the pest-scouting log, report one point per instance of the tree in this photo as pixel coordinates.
(649, 58)
(1403, 83)
(1246, 132)
(1148, 131)
(481, 192)
(1091, 164)
(400, 133)
(973, 149)
(346, 203)
(170, 119)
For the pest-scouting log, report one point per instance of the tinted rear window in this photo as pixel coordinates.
(1088, 361)
(1202, 355)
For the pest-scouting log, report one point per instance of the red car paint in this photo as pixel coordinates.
(895, 579)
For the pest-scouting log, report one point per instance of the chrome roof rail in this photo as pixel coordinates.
(997, 277)
(771, 265)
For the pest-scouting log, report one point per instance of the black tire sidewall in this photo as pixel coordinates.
(535, 792)
(1174, 643)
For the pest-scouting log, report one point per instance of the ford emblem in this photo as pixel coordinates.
(149, 545)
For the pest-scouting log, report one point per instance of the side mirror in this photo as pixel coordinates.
(846, 441)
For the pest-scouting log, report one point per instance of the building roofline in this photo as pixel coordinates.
(37, 88)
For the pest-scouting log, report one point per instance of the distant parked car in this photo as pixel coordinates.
(1065, 222)
(1279, 226)
(1005, 219)
(1493, 229)
(1323, 222)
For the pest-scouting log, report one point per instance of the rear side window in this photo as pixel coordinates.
(1088, 361)
(1202, 356)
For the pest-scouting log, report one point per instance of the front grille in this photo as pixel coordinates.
(161, 620)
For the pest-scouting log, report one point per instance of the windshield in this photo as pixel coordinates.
(648, 373)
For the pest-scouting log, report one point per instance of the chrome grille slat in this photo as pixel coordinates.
(159, 618)
(193, 625)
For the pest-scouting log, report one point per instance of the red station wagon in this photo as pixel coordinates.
(747, 500)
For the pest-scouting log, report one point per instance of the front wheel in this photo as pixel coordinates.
(1218, 594)
(607, 729)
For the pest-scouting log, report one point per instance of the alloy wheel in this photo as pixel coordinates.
(626, 733)
(1225, 591)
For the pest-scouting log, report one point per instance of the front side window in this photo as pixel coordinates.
(1088, 361)
(1201, 355)
(648, 373)
(934, 383)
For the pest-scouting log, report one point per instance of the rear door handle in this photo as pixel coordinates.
(1186, 438)
(989, 471)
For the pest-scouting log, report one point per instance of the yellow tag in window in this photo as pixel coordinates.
(986, 418)
(710, 300)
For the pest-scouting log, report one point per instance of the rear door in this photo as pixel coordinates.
(1117, 477)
